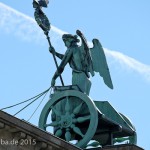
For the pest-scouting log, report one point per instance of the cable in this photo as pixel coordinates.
(25, 100)
(31, 102)
(37, 106)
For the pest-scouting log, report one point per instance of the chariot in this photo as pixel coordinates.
(75, 117)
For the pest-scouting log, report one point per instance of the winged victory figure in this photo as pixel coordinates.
(83, 61)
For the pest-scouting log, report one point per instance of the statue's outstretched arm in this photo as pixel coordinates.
(62, 65)
(52, 50)
(60, 56)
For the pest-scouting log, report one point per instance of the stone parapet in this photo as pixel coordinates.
(16, 134)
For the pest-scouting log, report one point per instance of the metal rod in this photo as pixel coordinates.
(55, 60)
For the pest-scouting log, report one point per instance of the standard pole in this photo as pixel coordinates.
(55, 60)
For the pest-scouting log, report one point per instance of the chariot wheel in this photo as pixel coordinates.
(74, 117)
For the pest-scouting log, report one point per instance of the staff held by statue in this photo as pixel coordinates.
(44, 23)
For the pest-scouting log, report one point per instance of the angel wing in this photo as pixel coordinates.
(85, 55)
(100, 63)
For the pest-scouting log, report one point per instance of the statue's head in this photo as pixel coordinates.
(70, 39)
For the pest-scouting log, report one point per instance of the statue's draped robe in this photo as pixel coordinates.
(80, 77)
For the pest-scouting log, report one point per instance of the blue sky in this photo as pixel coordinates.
(121, 26)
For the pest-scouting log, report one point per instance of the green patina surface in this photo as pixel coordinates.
(70, 110)
(110, 112)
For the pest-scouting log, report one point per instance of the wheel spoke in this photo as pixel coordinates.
(53, 116)
(58, 113)
(67, 106)
(68, 135)
(83, 119)
(58, 133)
(74, 120)
(77, 109)
(77, 130)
